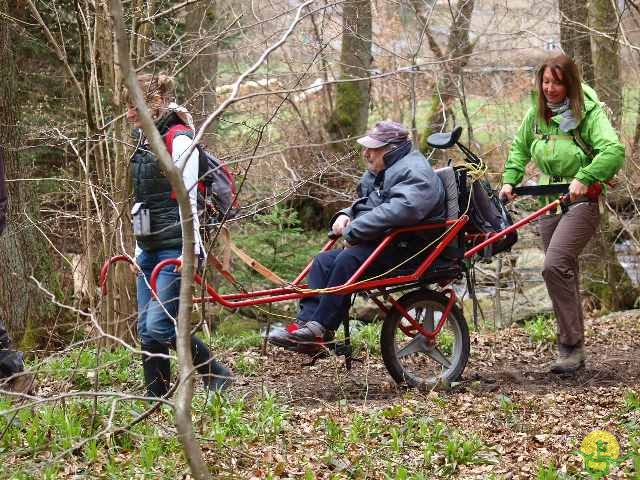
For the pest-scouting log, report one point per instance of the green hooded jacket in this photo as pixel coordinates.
(556, 153)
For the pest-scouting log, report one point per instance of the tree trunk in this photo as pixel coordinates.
(200, 76)
(448, 88)
(25, 309)
(349, 118)
(119, 308)
(603, 277)
(606, 57)
(574, 35)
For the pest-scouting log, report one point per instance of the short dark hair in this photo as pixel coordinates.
(565, 70)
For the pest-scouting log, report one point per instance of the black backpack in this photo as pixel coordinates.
(487, 214)
(217, 192)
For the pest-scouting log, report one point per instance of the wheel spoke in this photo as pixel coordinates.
(437, 355)
(417, 345)
(428, 322)
(419, 360)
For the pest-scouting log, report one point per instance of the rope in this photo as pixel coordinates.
(475, 172)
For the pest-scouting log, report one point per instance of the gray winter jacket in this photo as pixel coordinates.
(406, 192)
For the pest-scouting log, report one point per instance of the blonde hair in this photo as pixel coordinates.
(157, 89)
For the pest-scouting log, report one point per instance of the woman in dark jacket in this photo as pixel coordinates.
(158, 232)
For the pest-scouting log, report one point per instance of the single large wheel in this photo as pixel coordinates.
(413, 359)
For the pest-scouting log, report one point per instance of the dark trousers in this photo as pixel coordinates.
(564, 238)
(10, 360)
(335, 267)
(330, 269)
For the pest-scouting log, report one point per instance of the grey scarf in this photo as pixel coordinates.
(569, 121)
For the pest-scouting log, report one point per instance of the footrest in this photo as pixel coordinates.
(341, 348)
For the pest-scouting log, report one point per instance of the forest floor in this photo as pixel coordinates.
(506, 419)
(519, 420)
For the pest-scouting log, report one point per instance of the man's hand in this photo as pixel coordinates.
(340, 224)
(577, 189)
(506, 193)
(196, 263)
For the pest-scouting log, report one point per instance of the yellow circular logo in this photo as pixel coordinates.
(600, 450)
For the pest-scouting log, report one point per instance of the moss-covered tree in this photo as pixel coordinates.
(454, 59)
(606, 55)
(350, 115)
(604, 278)
(574, 35)
(202, 70)
(25, 309)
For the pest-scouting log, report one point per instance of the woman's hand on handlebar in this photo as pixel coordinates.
(340, 224)
(577, 189)
(506, 193)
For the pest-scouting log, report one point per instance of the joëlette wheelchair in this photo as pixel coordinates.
(424, 338)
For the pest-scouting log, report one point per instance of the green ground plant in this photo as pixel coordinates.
(366, 337)
(549, 472)
(631, 400)
(541, 330)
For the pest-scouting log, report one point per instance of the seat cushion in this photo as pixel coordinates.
(448, 177)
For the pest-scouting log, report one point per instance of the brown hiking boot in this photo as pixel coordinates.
(570, 359)
(23, 382)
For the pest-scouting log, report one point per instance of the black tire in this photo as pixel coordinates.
(416, 366)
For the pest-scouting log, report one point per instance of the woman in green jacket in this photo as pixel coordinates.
(570, 139)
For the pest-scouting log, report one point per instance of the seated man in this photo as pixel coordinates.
(398, 189)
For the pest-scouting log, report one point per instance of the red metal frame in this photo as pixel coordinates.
(416, 325)
(520, 223)
(296, 290)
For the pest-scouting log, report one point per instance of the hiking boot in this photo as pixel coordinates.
(282, 336)
(293, 326)
(156, 369)
(219, 378)
(311, 337)
(570, 359)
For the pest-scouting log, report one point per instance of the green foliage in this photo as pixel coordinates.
(346, 121)
(367, 337)
(247, 365)
(81, 366)
(239, 341)
(548, 472)
(462, 450)
(395, 430)
(64, 427)
(277, 241)
(507, 405)
(240, 421)
(335, 435)
(631, 400)
(236, 332)
(541, 330)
